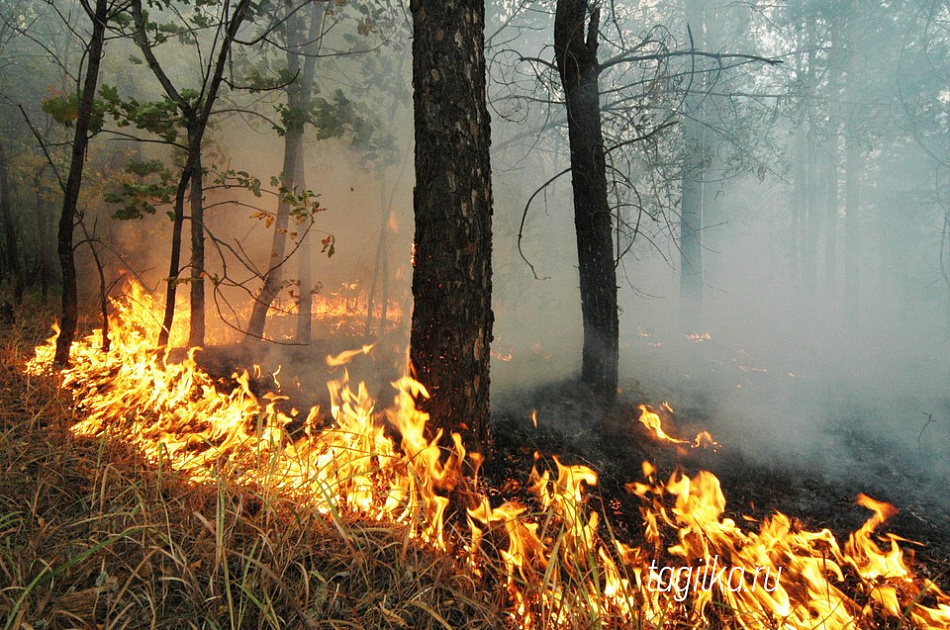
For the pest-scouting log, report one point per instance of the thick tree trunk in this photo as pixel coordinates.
(451, 280)
(577, 65)
(67, 219)
(196, 334)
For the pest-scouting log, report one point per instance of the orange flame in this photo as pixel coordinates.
(559, 561)
(652, 421)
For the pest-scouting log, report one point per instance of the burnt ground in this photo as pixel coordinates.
(574, 427)
(614, 444)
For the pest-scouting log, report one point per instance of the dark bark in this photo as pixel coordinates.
(196, 334)
(43, 235)
(196, 117)
(577, 66)
(12, 267)
(67, 219)
(451, 282)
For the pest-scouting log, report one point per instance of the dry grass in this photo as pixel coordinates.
(92, 537)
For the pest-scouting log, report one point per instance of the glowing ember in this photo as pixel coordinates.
(559, 562)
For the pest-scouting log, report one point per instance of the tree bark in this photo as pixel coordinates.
(451, 282)
(196, 117)
(67, 220)
(12, 267)
(196, 334)
(298, 98)
(304, 333)
(577, 66)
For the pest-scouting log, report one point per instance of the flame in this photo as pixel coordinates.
(651, 420)
(348, 355)
(559, 560)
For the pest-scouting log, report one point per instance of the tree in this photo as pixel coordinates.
(195, 107)
(451, 281)
(295, 114)
(579, 71)
(67, 220)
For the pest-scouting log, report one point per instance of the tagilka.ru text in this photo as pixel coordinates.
(708, 576)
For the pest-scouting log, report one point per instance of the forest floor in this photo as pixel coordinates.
(93, 536)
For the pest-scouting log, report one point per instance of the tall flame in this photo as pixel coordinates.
(559, 559)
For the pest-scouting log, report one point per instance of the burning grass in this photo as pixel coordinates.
(94, 536)
(225, 516)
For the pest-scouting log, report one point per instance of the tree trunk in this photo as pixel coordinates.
(12, 266)
(382, 254)
(692, 282)
(196, 117)
(577, 66)
(852, 185)
(298, 98)
(451, 280)
(67, 219)
(42, 230)
(274, 276)
(178, 222)
(196, 334)
(304, 332)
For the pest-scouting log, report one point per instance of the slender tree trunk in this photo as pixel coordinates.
(691, 227)
(274, 276)
(831, 167)
(12, 266)
(42, 231)
(852, 185)
(304, 332)
(810, 192)
(174, 263)
(852, 236)
(814, 219)
(831, 216)
(196, 117)
(381, 255)
(692, 199)
(67, 219)
(577, 66)
(196, 335)
(298, 98)
(451, 281)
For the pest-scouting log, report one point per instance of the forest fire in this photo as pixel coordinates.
(557, 557)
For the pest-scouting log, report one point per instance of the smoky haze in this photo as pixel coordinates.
(821, 187)
(822, 334)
